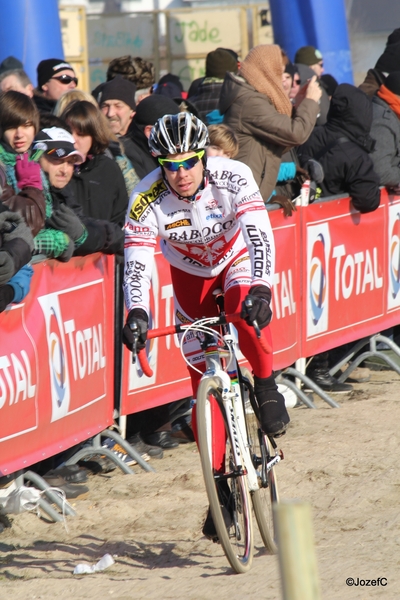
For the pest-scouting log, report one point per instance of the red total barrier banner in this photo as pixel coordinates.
(350, 272)
(57, 361)
(286, 307)
(170, 380)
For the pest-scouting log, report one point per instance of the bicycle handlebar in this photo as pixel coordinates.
(171, 329)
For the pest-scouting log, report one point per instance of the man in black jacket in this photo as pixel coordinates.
(135, 142)
(342, 146)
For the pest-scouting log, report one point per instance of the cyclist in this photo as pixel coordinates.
(215, 233)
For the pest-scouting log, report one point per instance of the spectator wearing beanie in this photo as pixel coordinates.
(55, 77)
(386, 131)
(309, 63)
(135, 141)
(387, 63)
(311, 57)
(218, 63)
(9, 64)
(116, 99)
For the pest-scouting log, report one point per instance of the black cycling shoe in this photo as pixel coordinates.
(274, 417)
(226, 501)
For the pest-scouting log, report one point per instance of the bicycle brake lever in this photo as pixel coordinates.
(248, 302)
(135, 331)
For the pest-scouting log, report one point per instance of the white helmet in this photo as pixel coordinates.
(175, 134)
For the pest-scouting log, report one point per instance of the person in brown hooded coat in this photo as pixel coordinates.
(256, 107)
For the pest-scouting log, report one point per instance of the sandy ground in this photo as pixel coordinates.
(345, 462)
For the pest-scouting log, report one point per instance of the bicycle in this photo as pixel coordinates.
(251, 456)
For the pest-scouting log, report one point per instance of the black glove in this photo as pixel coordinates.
(6, 296)
(64, 219)
(261, 312)
(285, 203)
(7, 267)
(13, 226)
(139, 317)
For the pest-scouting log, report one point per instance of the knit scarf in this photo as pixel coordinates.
(9, 159)
(391, 99)
(262, 68)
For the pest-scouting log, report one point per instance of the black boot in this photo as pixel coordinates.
(273, 414)
(318, 372)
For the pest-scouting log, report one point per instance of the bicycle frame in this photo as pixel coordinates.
(231, 398)
(231, 393)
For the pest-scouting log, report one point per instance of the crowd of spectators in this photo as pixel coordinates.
(69, 160)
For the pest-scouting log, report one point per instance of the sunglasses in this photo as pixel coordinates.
(186, 163)
(66, 79)
(297, 81)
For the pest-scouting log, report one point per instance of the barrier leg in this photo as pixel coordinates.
(45, 506)
(129, 449)
(55, 498)
(315, 388)
(96, 448)
(299, 393)
(368, 354)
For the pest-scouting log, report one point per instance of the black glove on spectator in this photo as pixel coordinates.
(13, 226)
(6, 296)
(261, 310)
(64, 219)
(138, 316)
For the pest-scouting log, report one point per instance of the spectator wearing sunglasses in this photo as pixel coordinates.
(55, 77)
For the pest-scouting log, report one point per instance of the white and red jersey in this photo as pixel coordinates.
(200, 236)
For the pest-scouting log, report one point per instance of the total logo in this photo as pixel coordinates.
(75, 341)
(318, 252)
(57, 357)
(394, 254)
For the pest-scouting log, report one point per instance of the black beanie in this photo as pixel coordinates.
(169, 89)
(291, 69)
(389, 61)
(118, 88)
(393, 82)
(46, 69)
(153, 107)
(330, 84)
(218, 62)
(10, 63)
(171, 78)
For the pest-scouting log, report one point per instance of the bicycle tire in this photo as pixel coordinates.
(237, 542)
(264, 498)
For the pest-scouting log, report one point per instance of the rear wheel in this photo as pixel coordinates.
(236, 538)
(261, 451)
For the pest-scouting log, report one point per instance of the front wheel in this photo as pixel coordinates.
(261, 451)
(236, 538)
